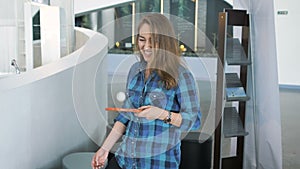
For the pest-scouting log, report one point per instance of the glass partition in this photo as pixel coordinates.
(185, 32)
(200, 14)
(123, 27)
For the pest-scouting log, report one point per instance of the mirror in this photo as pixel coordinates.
(43, 33)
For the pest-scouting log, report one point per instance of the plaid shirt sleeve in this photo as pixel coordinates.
(189, 102)
(124, 117)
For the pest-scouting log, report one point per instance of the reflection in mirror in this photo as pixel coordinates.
(46, 2)
(49, 31)
(36, 35)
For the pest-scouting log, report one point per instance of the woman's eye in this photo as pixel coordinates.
(141, 40)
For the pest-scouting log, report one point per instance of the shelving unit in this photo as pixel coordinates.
(231, 87)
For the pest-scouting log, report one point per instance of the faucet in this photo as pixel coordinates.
(16, 66)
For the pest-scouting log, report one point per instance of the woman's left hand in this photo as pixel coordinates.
(99, 158)
(152, 112)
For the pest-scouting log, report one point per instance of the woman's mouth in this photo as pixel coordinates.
(148, 52)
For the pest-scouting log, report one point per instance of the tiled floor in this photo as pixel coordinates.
(290, 119)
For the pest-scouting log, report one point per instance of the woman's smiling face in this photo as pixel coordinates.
(145, 42)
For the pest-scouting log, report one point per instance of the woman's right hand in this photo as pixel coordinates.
(99, 158)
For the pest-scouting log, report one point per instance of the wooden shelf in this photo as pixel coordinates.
(233, 126)
(234, 88)
(233, 80)
(235, 54)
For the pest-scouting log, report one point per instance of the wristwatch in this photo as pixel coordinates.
(168, 118)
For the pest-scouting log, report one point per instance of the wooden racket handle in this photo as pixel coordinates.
(122, 109)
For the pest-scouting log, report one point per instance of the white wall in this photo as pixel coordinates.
(44, 111)
(288, 35)
(229, 1)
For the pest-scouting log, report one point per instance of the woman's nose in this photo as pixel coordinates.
(148, 44)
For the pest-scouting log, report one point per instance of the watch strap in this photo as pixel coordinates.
(168, 118)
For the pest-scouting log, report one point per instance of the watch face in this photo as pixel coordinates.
(167, 120)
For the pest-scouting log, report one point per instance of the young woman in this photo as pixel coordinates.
(164, 91)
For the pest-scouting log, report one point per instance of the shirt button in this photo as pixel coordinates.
(132, 142)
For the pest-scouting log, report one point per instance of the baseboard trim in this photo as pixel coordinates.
(292, 87)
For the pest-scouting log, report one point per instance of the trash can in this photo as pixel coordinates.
(79, 160)
(196, 151)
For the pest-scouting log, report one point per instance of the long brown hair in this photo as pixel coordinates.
(166, 59)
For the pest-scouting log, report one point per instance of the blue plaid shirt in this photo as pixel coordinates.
(153, 144)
